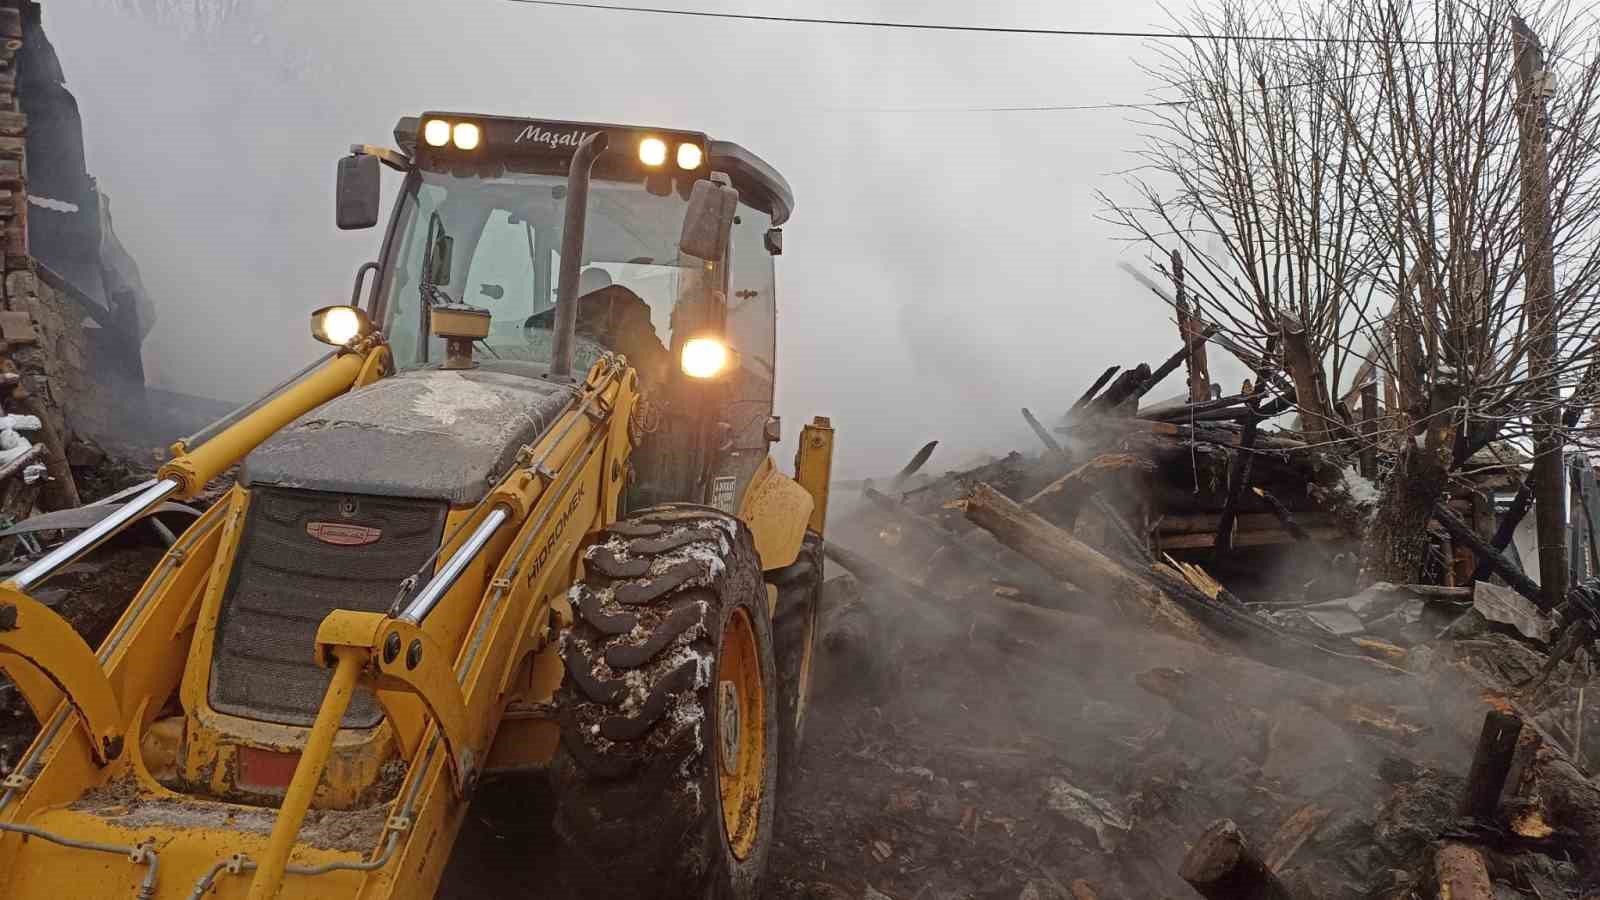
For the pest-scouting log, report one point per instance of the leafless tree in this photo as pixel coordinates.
(1363, 186)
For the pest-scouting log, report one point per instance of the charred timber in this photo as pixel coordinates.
(1514, 514)
(1175, 360)
(1222, 866)
(1183, 613)
(1238, 480)
(1513, 576)
(1491, 763)
(1123, 389)
(1049, 442)
(1089, 395)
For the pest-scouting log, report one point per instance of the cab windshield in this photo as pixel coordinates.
(490, 236)
(494, 242)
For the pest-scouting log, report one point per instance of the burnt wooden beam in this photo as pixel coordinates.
(1077, 563)
(1497, 562)
(1061, 499)
(1195, 341)
(1223, 866)
(915, 465)
(1089, 395)
(1050, 443)
(1122, 389)
(1295, 529)
(1520, 504)
(1491, 763)
(1182, 413)
(1238, 478)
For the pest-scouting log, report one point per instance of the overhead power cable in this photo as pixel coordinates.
(1151, 104)
(995, 29)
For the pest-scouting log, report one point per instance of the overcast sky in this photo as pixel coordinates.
(941, 270)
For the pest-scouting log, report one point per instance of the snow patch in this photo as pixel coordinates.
(1361, 488)
(449, 397)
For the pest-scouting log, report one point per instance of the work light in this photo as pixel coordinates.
(705, 357)
(339, 325)
(689, 156)
(466, 136)
(436, 132)
(652, 151)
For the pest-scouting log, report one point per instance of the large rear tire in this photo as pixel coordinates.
(666, 777)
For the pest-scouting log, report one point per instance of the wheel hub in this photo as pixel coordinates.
(741, 704)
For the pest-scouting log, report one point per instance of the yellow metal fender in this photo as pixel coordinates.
(776, 509)
(30, 633)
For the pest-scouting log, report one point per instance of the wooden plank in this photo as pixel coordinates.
(1264, 538)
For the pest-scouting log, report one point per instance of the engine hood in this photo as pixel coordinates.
(426, 433)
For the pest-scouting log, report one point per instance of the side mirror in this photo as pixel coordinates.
(357, 194)
(709, 220)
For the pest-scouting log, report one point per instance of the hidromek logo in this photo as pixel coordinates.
(555, 140)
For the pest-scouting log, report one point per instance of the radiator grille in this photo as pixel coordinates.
(285, 582)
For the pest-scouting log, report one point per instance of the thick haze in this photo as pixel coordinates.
(941, 269)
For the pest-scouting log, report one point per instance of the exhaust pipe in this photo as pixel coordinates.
(577, 212)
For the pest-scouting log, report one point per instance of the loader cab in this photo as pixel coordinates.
(480, 222)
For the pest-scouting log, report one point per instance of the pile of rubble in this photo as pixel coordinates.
(1139, 664)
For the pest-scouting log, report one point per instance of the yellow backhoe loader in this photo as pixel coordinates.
(522, 518)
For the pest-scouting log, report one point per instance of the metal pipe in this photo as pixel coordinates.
(140, 855)
(313, 759)
(205, 433)
(95, 534)
(432, 592)
(577, 212)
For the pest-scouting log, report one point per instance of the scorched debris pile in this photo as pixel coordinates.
(1145, 662)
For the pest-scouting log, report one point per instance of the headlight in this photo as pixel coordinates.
(689, 156)
(466, 136)
(652, 151)
(704, 357)
(436, 132)
(339, 325)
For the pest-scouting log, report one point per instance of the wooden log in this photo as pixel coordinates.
(915, 465)
(1061, 499)
(1050, 443)
(1491, 763)
(1461, 873)
(1190, 410)
(1501, 566)
(1293, 834)
(1573, 800)
(1073, 561)
(1089, 395)
(1222, 866)
(1123, 389)
(1000, 564)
